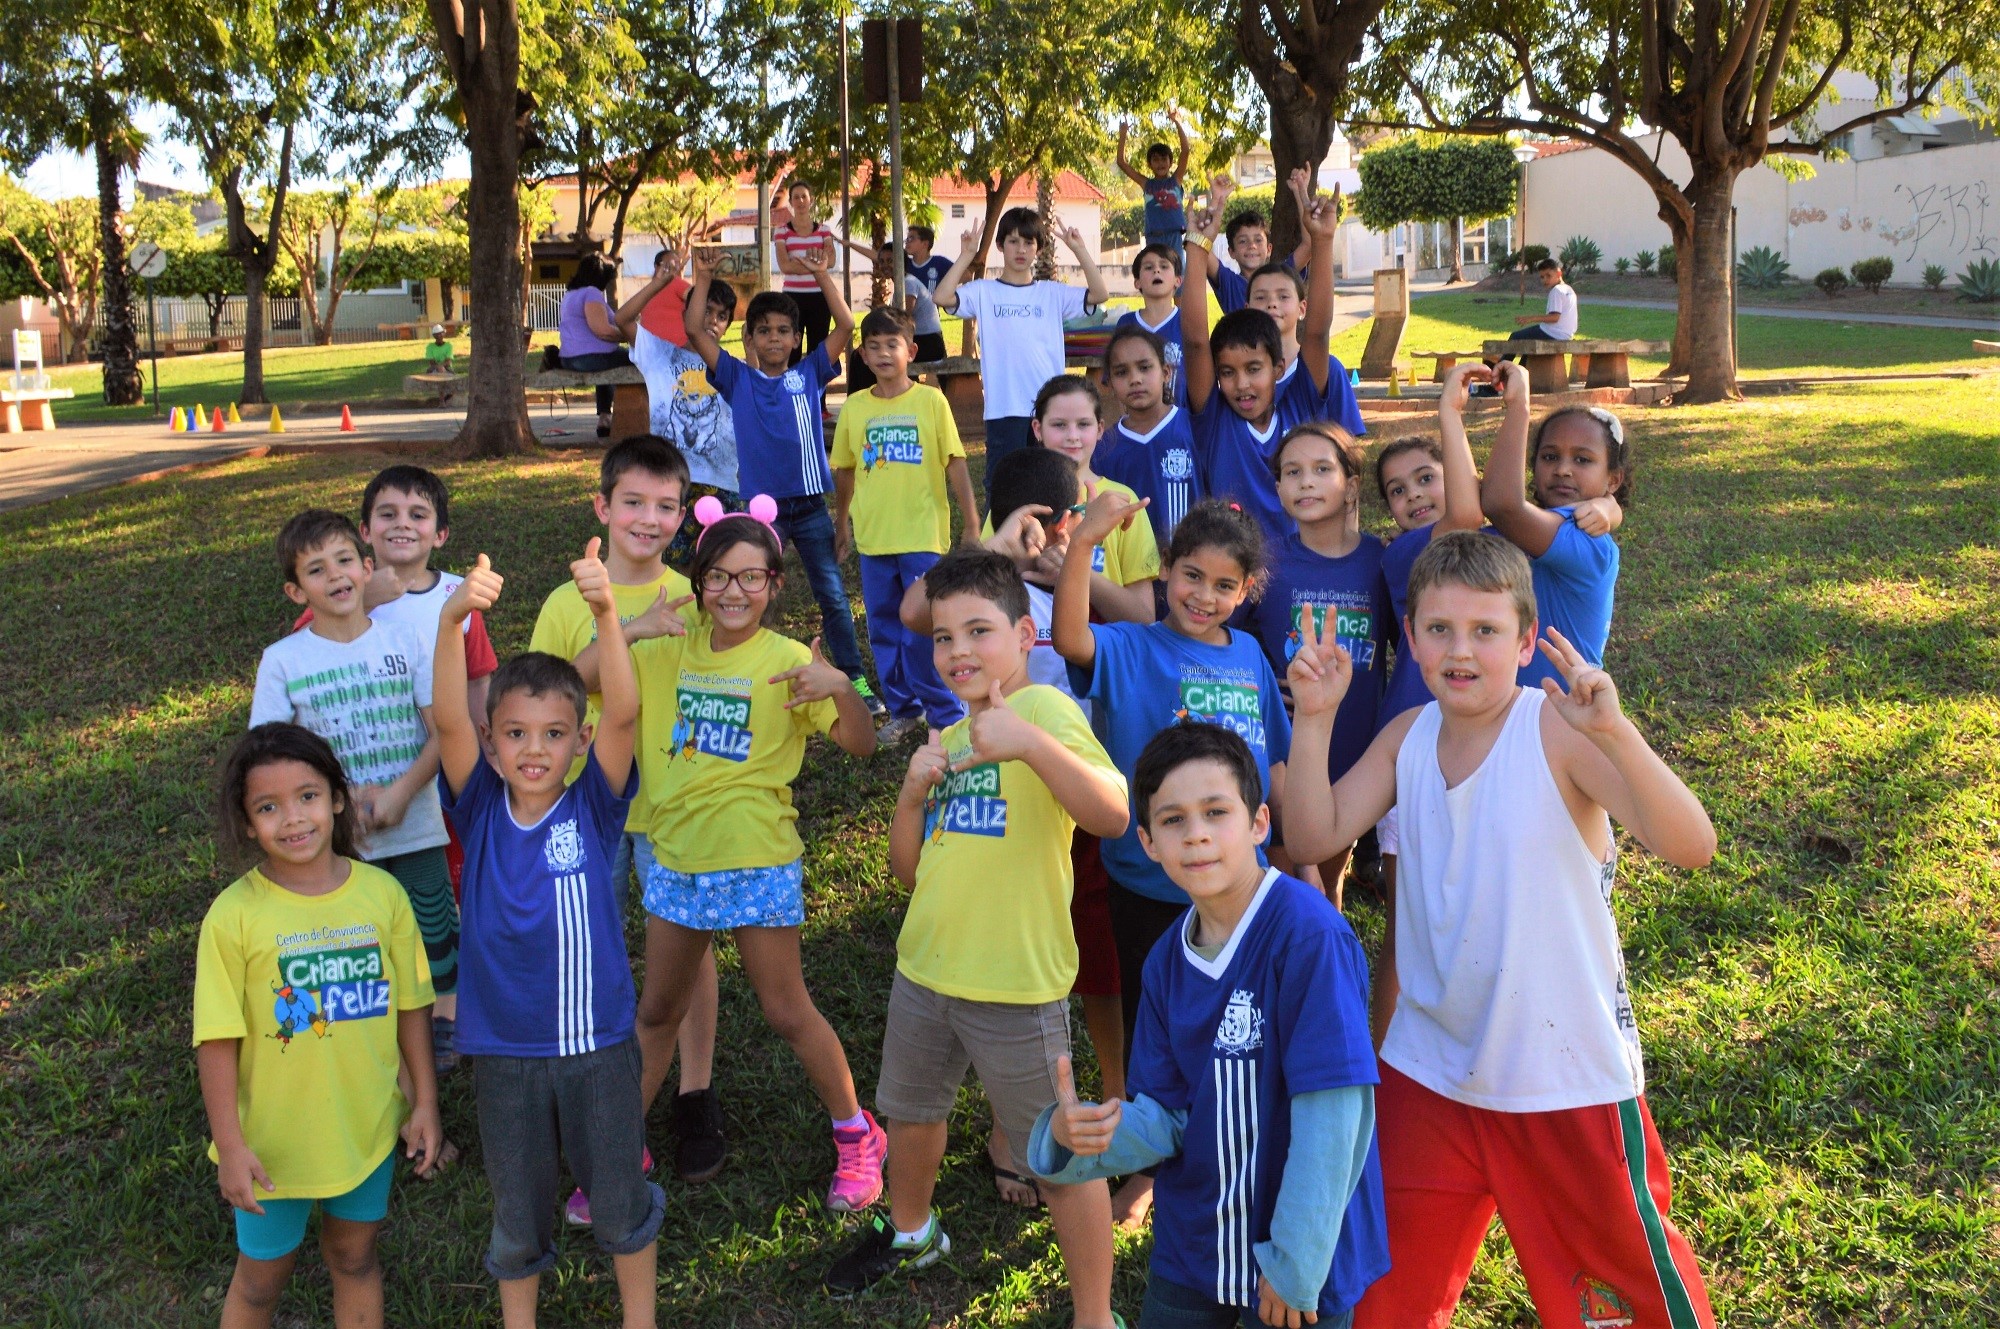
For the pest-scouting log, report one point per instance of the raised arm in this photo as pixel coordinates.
(458, 741)
(1124, 163)
(1299, 182)
(1069, 623)
(1461, 473)
(662, 618)
(1180, 167)
(1093, 797)
(853, 246)
(1095, 292)
(667, 265)
(699, 338)
(946, 295)
(928, 768)
(1196, 367)
(1503, 495)
(618, 715)
(1321, 218)
(1318, 813)
(819, 264)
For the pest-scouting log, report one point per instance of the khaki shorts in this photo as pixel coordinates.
(930, 1039)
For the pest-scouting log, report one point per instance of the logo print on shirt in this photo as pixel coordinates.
(794, 381)
(1354, 629)
(564, 847)
(1599, 1305)
(1177, 464)
(1231, 703)
(326, 977)
(714, 723)
(892, 440)
(968, 802)
(1242, 1027)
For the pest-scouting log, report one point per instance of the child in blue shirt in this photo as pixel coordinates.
(1163, 185)
(1156, 276)
(1327, 570)
(546, 1005)
(1252, 1077)
(1151, 449)
(1141, 678)
(781, 438)
(1579, 456)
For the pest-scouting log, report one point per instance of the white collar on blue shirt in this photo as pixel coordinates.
(1215, 968)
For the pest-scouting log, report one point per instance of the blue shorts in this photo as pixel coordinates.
(718, 901)
(278, 1231)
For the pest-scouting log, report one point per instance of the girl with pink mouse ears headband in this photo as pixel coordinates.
(708, 510)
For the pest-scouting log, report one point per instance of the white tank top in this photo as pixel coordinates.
(1513, 983)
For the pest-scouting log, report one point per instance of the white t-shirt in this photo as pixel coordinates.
(362, 697)
(419, 610)
(685, 409)
(1512, 980)
(1020, 338)
(1562, 303)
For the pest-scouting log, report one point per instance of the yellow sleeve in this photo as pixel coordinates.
(656, 663)
(946, 425)
(846, 456)
(409, 967)
(218, 974)
(553, 635)
(816, 717)
(1134, 555)
(1063, 720)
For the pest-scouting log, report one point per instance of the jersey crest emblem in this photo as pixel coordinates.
(794, 381)
(1242, 1027)
(1599, 1305)
(1176, 464)
(564, 847)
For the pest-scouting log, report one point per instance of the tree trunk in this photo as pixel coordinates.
(1457, 250)
(996, 201)
(255, 270)
(123, 384)
(496, 416)
(1301, 132)
(1706, 283)
(1045, 210)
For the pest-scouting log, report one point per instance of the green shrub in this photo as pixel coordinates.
(1934, 275)
(1124, 224)
(1980, 282)
(1581, 254)
(1670, 262)
(1870, 273)
(1624, 265)
(1533, 254)
(1761, 268)
(1831, 282)
(1643, 260)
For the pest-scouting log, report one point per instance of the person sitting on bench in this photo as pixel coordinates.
(1556, 323)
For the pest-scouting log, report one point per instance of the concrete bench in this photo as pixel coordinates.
(433, 385)
(1986, 347)
(630, 407)
(1445, 361)
(27, 409)
(1597, 363)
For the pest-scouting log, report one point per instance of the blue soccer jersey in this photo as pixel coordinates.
(1168, 332)
(1282, 1010)
(1233, 458)
(541, 955)
(1148, 676)
(1348, 590)
(1575, 579)
(1158, 464)
(780, 440)
(1300, 400)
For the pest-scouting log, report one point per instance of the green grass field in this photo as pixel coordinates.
(1807, 629)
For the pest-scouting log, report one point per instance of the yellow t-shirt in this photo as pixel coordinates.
(898, 449)
(565, 626)
(989, 919)
(1127, 555)
(720, 751)
(312, 984)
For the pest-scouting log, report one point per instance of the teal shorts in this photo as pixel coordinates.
(277, 1232)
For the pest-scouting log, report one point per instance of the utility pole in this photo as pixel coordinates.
(764, 186)
(846, 172)
(899, 293)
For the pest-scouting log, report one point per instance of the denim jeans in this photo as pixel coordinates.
(597, 362)
(807, 529)
(1171, 1306)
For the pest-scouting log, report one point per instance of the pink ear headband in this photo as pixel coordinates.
(763, 509)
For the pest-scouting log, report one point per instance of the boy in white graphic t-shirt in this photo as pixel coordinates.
(1511, 1072)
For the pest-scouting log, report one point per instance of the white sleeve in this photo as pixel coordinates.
(421, 654)
(1071, 300)
(971, 296)
(270, 701)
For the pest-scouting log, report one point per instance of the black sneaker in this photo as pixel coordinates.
(700, 1146)
(876, 1256)
(876, 708)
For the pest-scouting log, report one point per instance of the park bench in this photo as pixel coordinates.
(26, 398)
(1445, 361)
(431, 384)
(630, 411)
(1598, 363)
(409, 331)
(1986, 347)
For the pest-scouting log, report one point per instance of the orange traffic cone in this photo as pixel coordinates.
(217, 426)
(346, 420)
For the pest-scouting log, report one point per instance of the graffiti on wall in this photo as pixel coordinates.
(1959, 219)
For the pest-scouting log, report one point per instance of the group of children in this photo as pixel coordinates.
(1161, 692)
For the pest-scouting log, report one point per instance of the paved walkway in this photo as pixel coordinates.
(1991, 324)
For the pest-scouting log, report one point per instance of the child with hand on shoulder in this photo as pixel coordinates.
(1139, 678)
(1151, 449)
(1252, 1080)
(983, 975)
(727, 706)
(547, 1013)
(310, 988)
(1512, 1074)
(1156, 275)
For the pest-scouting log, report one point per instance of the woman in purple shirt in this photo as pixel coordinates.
(590, 335)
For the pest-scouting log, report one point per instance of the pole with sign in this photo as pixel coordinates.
(148, 260)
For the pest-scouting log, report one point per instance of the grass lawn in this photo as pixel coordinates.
(1807, 629)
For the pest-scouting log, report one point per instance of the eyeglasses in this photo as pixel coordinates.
(752, 580)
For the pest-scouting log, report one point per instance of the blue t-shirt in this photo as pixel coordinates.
(1574, 583)
(1233, 458)
(780, 441)
(1170, 333)
(930, 272)
(1351, 590)
(1232, 288)
(1165, 215)
(1283, 1010)
(1158, 465)
(541, 953)
(1148, 676)
(1406, 682)
(1337, 404)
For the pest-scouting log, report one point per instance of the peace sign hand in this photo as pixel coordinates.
(1590, 705)
(1320, 673)
(1082, 1128)
(814, 681)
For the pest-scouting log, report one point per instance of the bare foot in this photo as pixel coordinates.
(1132, 1204)
(1014, 1188)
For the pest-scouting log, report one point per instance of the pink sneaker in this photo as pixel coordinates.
(576, 1211)
(857, 1175)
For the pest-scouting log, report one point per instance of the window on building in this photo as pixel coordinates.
(1472, 244)
(958, 210)
(1842, 143)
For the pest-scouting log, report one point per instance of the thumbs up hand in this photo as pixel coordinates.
(593, 582)
(928, 768)
(814, 681)
(1082, 1128)
(997, 733)
(479, 591)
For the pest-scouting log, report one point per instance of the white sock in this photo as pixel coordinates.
(920, 1236)
(854, 1123)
